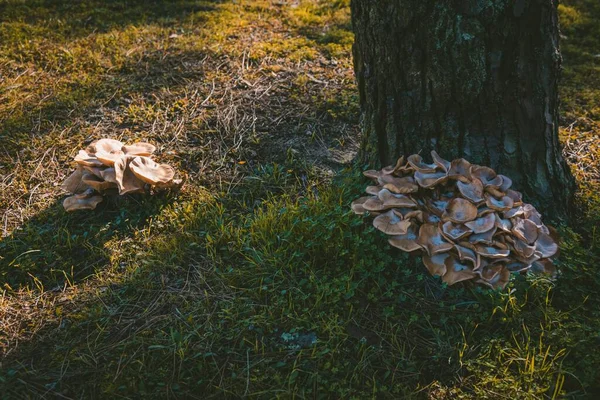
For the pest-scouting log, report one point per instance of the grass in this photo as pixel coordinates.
(256, 280)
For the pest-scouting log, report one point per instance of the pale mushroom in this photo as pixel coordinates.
(139, 149)
(525, 230)
(394, 169)
(98, 184)
(545, 245)
(89, 160)
(440, 162)
(109, 158)
(151, 172)
(105, 145)
(503, 204)
(460, 211)
(127, 181)
(373, 190)
(487, 176)
(491, 252)
(390, 224)
(73, 183)
(399, 185)
(484, 237)
(468, 254)
(82, 201)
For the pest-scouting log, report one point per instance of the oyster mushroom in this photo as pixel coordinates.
(357, 205)
(545, 245)
(99, 184)
(428, 180)
(503, 204)
(88, 160)
(460, 211)
(440, 162)
(482, 224)
(109, 158)
(126, 179)
(390, 199)
(390, 224)
(406, 242)
(139, 149)
(525, 230)
(456, 271)
(74, 183)
(454, 231)
(436, 263)
(431, 240)
(487, 176)
(151, 172)
(104, 145)
(472, 190)
(416, 161)
(81, 201)
(460, 169)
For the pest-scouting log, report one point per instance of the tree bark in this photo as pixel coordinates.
(469, 78)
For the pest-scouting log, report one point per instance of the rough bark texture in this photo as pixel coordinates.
(470, 78)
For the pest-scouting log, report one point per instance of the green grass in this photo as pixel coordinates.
(256, 280)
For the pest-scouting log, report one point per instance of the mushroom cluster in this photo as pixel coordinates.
(464, 218)
(110, 166)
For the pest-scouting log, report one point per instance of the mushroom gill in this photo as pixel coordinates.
(468, 222)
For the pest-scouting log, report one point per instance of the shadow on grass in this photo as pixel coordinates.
(72, 19)
(55, 249)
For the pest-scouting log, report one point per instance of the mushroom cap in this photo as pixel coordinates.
(503, 224)
(525, 230)
(487, 176)
(472, 190)
(105, 145)
(406, 242)
(431, 239)
(440, 162)
(94, 170)
(437, 207)
(436, 263)
(491, 252)
(394, 169)
(429, 180)
(517, 197)
(89, 160)
(503, 204)
(74, 183)
(546, 245)
(139, 149)
(398, 185)
(82, 201)
(126, 179)
(456, 271)
(460, 169)
(109, 158)
(454, 231)
(390, 224)
(99, 184)
(545, 266)
(390, 199)
(466, 253)
(517, 266)
(374, 204)
(499, 280)
(373, 190)
(151, 172)
(372, 174)
(416, 161)
(460, 210)
(357, 205)
(523, 249)
(484, 237)
(109, 175)
(506, 183)
(482, 224)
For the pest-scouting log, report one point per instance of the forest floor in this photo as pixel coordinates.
(256, 280)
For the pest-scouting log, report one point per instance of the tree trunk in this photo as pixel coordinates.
(469, 78)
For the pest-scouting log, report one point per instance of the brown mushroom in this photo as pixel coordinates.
(546, 245)
(373, 190)
(487, 176)
(503, 204)
(491, 252)
(503, 224)
(372, 174)
(484, 237)
(151, 172)
(394, 169)
(460, 169)
(406, 242)
(431, 240)
(467, 253)
(482, 224)
(99, 184)
(416, 161)
(436, 264)
(472, 190)
(109, 158)
(390, 199)
(456, 271)
(390, 224)
(525, 230)
(440, 162)
(460, 211)
(454, 231)
(500, 278)
(398, 185)
(104, 145)
(428, 180)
